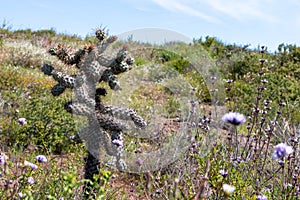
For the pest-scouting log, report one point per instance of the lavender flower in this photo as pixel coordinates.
(22, 121)
(234, 118)
(21, 195)
(118, 143)
(280, 162)
(223, 173)
(158, 191)
(228, 189)
(261, 197)
(41, 158)
(3, 159)
(282, 150)
(30, 180)
(139, 161)
(10, 182)
(31, 165)
(264, 81)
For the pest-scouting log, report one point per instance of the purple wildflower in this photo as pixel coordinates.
(264, 81)
(234, 118)
(282, 150)
(118, 143)
(41, 158)
(280, 162)
(139, 161)
(21, 195)
(22, 121)
(3, 159)
(158, 191)
(261, 197)
(223, 173)
(31, 165)
(30, 180)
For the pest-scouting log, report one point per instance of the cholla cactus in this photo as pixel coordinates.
(104, 128)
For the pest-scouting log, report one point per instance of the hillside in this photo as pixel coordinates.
(180, 90)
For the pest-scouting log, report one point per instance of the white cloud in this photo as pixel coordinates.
(46, 6)
(185, 8)
(241, 10)
(212, 10)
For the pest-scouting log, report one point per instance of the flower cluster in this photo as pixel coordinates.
(39, 158)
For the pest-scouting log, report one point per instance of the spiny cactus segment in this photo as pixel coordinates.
(95, 65)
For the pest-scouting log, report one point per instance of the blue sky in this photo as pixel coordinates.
(255, 22)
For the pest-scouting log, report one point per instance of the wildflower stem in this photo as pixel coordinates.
(271, 176)
(236, 143)
(268, 143)
(254, 120)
